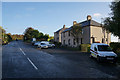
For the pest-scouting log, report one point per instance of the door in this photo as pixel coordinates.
(95, 51)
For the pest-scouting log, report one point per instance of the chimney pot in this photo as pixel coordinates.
(63, 26)
(89, 17)
(74, 22)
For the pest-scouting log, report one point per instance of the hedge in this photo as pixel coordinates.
(115, 46)
(84, 47)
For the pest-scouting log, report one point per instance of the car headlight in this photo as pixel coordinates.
(102, 55)
(115, 55)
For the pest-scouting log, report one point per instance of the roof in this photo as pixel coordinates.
(86, 23)
(67, 29)
(59, 30)
(90, 22)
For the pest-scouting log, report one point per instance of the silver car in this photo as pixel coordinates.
(42, 45)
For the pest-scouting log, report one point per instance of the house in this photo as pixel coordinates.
(57, 34)
(92, 32)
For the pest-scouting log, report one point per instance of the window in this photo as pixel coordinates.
(57, 38)
(95, 48)
(64, 34)
(106, 39)
(104, 48)
(81, 40)
(102, 40)
(64, 42)
(69, 33)
(69, 42)
(82, 31)
(77, 40)
(73, 41)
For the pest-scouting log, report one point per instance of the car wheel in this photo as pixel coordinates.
(91, 56)
(115, 61)
(98, 59)
(39, 47)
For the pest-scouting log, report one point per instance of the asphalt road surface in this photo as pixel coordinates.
(21, 60)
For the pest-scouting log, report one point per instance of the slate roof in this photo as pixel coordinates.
(86, 23)
(60, 30)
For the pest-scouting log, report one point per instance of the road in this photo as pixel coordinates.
(21, 60)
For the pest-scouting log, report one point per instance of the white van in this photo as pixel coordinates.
(102, 52)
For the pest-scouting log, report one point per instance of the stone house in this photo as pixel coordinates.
(57, 34)
(92, 32)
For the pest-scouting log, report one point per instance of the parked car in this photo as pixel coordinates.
(102, 52)
(36, 43)
(50, 45)
(33, 42)
(42, 45)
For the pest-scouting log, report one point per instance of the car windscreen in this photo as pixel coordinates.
(43, 44)
(104, 48)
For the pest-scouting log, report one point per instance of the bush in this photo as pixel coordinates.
(115, 46)
(57, 44)
(85, 47)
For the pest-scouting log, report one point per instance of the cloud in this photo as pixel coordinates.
(97, 15)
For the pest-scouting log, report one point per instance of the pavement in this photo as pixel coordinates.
(22, 60)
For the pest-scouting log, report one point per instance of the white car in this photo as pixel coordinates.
(36, 43)
(42, 45)
(102, 52)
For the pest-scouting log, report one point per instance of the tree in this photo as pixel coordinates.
(76, 32)
(27, 34)
(46, 36)
(35, 34)
(112, 23)
(32, 33)
(51, 39)
(9, 37)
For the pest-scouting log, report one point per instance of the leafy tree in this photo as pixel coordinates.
(51, 39)
(9, 37)
(32, 33)
(27, 34)
(46, 36)
(35, 34)
(16, 36)
(112, 23)
(76, 32)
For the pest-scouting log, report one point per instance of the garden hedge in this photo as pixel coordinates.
(115, 46)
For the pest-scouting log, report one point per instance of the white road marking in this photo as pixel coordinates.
(29, 60)
(32, 63)
(22, 51)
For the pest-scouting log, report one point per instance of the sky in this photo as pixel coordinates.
(47, 17)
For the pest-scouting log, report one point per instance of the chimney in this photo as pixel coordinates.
(74, 22)
(63, 26)
(89, 17)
